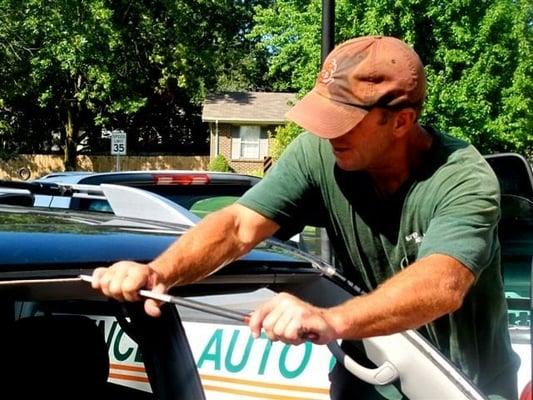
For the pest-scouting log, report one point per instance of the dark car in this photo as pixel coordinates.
(516, 237)
(199, 191)
(45, 307)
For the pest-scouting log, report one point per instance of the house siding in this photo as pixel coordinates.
(225, 148)
(239, 109)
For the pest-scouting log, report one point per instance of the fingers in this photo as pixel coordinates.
(151, 307)
(290, 320)
(256, 319)
(123, 280)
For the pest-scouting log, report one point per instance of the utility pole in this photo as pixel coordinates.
(328, 28)
(328, 42)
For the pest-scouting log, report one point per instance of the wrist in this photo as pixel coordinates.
(158, 275)
(335, 320)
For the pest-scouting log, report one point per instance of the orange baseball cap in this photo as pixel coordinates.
(357, 75)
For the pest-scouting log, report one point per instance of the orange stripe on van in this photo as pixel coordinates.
(265, 385)
(225, 379)
(252, 394)
(123, 377)
(126, 367)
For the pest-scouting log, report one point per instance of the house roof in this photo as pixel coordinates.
(252, 107)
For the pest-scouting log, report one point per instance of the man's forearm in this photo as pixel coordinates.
(218, 239)
(423, 292)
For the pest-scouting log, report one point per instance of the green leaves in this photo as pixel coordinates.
(141, 66)
(146, 66)
(477, 54)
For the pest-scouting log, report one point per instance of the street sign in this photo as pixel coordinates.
(118, 143)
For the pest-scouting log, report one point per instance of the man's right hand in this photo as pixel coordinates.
(123, 280)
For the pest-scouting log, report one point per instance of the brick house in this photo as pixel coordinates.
(241, 125)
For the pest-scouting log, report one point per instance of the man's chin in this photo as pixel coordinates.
(346, 166)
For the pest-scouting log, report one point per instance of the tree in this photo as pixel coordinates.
(477, 55)
(78, 66)
(63, 59)
(192, 48)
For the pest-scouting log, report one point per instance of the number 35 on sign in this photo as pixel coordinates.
(118, 143)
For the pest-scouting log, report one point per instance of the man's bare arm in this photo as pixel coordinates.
(218, 239)
(426, 290)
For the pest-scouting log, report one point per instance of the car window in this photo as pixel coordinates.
(200, 199)
(188, 195)
(94, 205)
(74, 348)
(205, 206)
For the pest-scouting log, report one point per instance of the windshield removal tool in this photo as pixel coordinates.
(195, 305)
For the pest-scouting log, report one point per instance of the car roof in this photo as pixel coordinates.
(125, 200)
(44, 238)
(65, 177)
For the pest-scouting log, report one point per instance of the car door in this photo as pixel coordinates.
(516, 238)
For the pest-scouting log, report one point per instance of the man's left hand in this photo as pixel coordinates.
(291, 320)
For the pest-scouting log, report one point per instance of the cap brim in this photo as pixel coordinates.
(324, 117)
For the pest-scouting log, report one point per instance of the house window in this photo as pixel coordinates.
(249, 142)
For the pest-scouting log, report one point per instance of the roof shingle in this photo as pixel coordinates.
(254, 107)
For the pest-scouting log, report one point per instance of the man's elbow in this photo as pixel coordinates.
(454, 301)
(455, 290)
(452, 280)
(249, 227)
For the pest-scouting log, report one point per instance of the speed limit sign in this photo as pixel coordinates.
(118, 143)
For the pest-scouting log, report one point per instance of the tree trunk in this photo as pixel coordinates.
(71, 135)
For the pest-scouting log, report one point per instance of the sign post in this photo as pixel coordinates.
(118, 145)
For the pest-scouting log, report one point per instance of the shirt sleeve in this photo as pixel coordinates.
(287, 190)
(467, 211)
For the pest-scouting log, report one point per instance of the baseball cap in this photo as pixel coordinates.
(357, 75)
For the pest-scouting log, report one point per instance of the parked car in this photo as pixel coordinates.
(516, 237)
(200, 192)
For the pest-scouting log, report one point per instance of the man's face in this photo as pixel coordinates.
(365, 147)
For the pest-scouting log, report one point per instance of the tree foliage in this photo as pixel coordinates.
(284, 135)
(78, 66)
(74, 67)
(478, 57)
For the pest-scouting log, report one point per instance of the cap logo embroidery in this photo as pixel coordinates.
(326, 75)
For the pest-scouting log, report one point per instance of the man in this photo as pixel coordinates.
(411, 214)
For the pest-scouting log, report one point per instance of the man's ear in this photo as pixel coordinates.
(404, 121)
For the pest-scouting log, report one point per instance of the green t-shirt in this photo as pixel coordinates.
(450, 207)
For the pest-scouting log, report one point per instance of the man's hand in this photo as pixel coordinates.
(291, 320)
(123, 280)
